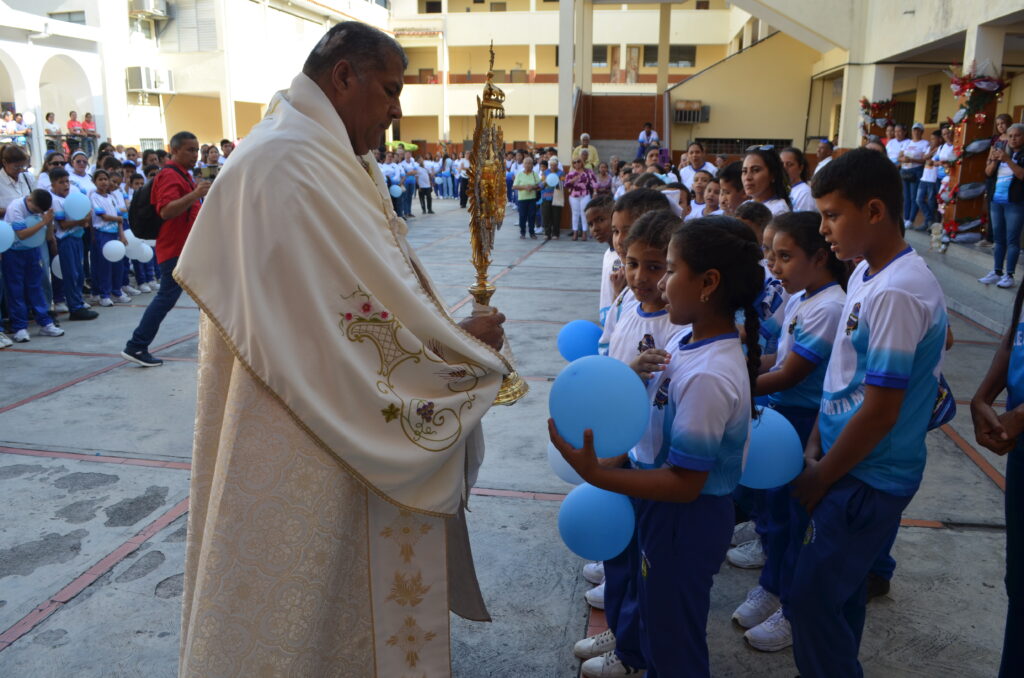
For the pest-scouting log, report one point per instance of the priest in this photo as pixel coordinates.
(338, 418)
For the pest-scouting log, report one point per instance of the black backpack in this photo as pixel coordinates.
(142, 214)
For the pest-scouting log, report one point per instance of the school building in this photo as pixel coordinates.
(727, 73)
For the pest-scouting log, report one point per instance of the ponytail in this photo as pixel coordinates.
(1018, 302)
(752, 332)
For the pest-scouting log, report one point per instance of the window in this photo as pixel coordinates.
(934, 95)
(432, 7)
(679, 56)
(143, 27)
(152, 144)
(72, 17)
(498, 7)
(703, 4)
(600, 56)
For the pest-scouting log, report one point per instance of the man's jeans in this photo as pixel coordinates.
(165, 299)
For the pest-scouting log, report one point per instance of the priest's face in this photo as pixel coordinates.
(368, 102)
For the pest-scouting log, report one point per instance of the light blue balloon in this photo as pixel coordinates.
(596, 524)
(775, 456)
(76, 206)
(579, 338)
(602, 394)
(395, 190)
(39, 237)
(552, 179)
(561, 467)
(6, 236)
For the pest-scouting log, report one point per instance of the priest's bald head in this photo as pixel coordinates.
(360, 69)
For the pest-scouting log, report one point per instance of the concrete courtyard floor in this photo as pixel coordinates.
(94, 473)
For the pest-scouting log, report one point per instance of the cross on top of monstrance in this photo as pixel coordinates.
(487, 207)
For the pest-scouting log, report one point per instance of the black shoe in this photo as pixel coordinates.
(409, 216)
(430, 211)
(877, 585)
(142, 358)
(83, 314)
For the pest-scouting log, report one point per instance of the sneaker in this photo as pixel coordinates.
(595, 597)
(51, 330)
(594, 572)
(145, 288)
(1005, 282)
(105, 301)
(154, 286)
(21, 336)
(92, 298)
(131, 291)
(749, 555)
(990, 278)
(142, 358)
(771, 635)
(877, 585)
(83, 314)
(123, 299)
(4, 341)
(743, 533)
(608, 665)
(60, 307)
(986, 244)
(906, 223)
(758, 606)
(595, 646)
(86, 305)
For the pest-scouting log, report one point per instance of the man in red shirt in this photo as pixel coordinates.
(176, 197)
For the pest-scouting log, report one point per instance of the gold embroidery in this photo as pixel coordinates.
(412, 639)
(406, 530)
(408, 590)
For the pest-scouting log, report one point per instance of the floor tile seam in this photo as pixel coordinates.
(975, 456)
(105, 564)
(78, 354)
(96, 458)
(516, 494)
(974, 323)
(468, 298)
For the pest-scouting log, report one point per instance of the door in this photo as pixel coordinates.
(613, 61)
(632, 64)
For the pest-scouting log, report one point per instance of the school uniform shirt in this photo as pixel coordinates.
(611, 258)
(59, 217)
(408, 166)
(647, 138)
(17, 216)
(1015, 372)
(821, 163)
(777, 206)
(800, 196)
(700, 412)
(83, 183)
(619, 192)
(636, 331)
(392, 171)
(423, 178)
(44, 181)
(610, 318)
(893, 149)
(686, 173)
(891, 334)
(771, 311)
(809, 330)
(103, 205)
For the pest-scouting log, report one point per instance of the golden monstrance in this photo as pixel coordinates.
(487, 207)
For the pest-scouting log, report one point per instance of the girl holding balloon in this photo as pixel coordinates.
(684, 469)
(70, 250)
(108, 226)
(803, 262)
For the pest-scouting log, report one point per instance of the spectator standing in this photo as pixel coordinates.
(1006, 205)
(52, 160)
(795, 164)
(592, 157)
(425, 188)
(764, 180)
(580, 182)
(824, 154)
(911, 157)
(463, 176)
(928, 187)
(409, 170)
(89, 135)
(695, 162)
(526, 185)
(52, 132)
(647, 137)
(176, 198)
(74, 137)
(604, 180)
(552, 199)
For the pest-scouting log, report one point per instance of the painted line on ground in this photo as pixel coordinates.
(97, 458)
(987, 468)
(87, 578)
(967, 403)
(516, 494)
(973, 323)
(80, 354)
(96, 373)
(468, 298)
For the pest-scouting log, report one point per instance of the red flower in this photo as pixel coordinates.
(367, 308)
(383, 315)
(348, 316)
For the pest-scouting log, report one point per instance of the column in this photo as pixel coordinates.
(531, 66)
(566, 90)
(586, 43)
(664, 26)
(442, 75)
(874, 82)
(531, 129)
(227, 99)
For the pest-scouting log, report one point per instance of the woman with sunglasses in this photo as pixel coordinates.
(52, 160)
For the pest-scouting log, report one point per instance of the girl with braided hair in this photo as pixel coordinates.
(683, 472)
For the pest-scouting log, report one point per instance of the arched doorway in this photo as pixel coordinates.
(64, 87)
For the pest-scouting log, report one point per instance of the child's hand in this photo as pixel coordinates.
(989, 431)
(48, 216)
(810, 487)
(650, 362)
(123, 239)
(584, 461)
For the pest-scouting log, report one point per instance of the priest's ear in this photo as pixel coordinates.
(343, 76)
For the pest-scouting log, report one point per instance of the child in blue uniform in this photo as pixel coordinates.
(806, 267)
(866, 456)
(70, 248)
(107, 225)
(29, 217)
(683, 472)
(1002, 435)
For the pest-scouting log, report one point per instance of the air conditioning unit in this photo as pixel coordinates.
(150, 80)
(691, 112)
(153, 9)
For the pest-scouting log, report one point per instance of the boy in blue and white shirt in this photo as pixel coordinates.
(866, 457)
(29, 217)
(70, 249)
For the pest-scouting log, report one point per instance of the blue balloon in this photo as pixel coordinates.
(395, 190)
(39, 237)
(579, 338)
(596, 524)
(76, 206)
(602, 394)
(775, 455)
(7, 236)
(561, 467)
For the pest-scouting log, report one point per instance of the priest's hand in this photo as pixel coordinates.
(486, 328)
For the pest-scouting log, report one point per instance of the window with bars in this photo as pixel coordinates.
(679, 56)
(934, 97)
(70, 17)
(152, 144)
(600, 56)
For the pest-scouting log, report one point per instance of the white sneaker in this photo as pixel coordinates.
(21, 336)
(51, 330)
(93, 299)
(594, 572)
(748, 555)
(771, 635)
(154, 285)
(743, 533)
(906, 223)
(105, 301)
(1005, 282)
(86, 305)
(608, 665)
(60, 307)
(4, 341)
(595, 597)
(145, 288)
(595, 646)
(990, 278)
(758, 606)
(123, 299)
(131, 291)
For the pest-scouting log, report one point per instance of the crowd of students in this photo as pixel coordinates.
(745, 286)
